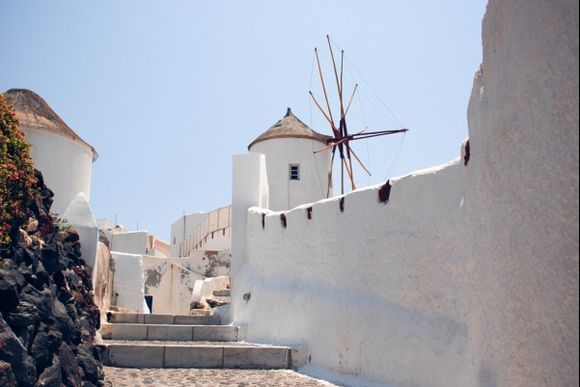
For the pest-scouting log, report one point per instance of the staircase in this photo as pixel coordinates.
(166, 341)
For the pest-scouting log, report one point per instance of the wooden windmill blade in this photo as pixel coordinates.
(345, 164)
(344, 130)
(328, 116)
(341, 137)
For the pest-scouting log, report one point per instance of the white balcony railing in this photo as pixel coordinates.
(217, 224)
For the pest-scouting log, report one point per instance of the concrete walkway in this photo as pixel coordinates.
(162, 377)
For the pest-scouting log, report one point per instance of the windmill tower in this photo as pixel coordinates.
(296, 175)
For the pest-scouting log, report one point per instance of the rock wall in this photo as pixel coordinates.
(466, 274)
(48, 318)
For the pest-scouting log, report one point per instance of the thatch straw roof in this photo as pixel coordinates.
(33, 112)
(290, 127)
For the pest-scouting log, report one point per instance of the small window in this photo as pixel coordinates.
(294, 172)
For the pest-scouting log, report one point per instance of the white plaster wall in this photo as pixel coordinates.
(212, 233)
(170, 282)
(182, 228)
(210, 263)
(130, 242)
(280, 153)
(249, 188)
(65, 165)
(469, 275)
(128, 282)
(522, 195)
(203, 289)
(80, 217)
(372, 290)
(219, 241)
(158, 247)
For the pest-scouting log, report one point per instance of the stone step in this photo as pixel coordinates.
(222, 293)
(164, 354)
(138, 318)
(172, 332)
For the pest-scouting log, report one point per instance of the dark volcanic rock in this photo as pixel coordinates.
(42, 278)
(45, 344)
(51, 376)
(50, 258)
(11, 281)
(25, 255)
(89, 359)
(41, 299)
(71, 236)
(7, 377)
(40, 350)
(34, 304)
(13, 352)
(48, 318)
(26, 314)
(71, 370)
(62, 322)
(41, 206)
(25, 335)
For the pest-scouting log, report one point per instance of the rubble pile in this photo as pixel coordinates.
(48, 318)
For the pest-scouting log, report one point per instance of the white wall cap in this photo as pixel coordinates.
(79, 212)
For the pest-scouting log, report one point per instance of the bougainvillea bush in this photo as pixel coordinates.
(17, 181)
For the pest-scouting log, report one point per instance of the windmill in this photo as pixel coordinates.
(341, 138)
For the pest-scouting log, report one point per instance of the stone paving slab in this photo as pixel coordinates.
(172, 332)
(163, 354)
(133, 377)
(188, 343)
(135, 318)
(222, 293)
(255, 357)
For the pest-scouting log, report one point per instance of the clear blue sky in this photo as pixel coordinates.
(168, 91)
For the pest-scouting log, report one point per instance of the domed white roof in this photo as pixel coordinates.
(290, 127)
(33, 112)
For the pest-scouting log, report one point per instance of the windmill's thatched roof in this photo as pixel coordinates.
(290, 127)
(33, 112)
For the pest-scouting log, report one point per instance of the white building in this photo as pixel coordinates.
(183, 227)
(126, 241)
(201, 231)
(296, 175)
(64, 158)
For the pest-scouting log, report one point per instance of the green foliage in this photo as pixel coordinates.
(62, 224)
(17, 181)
